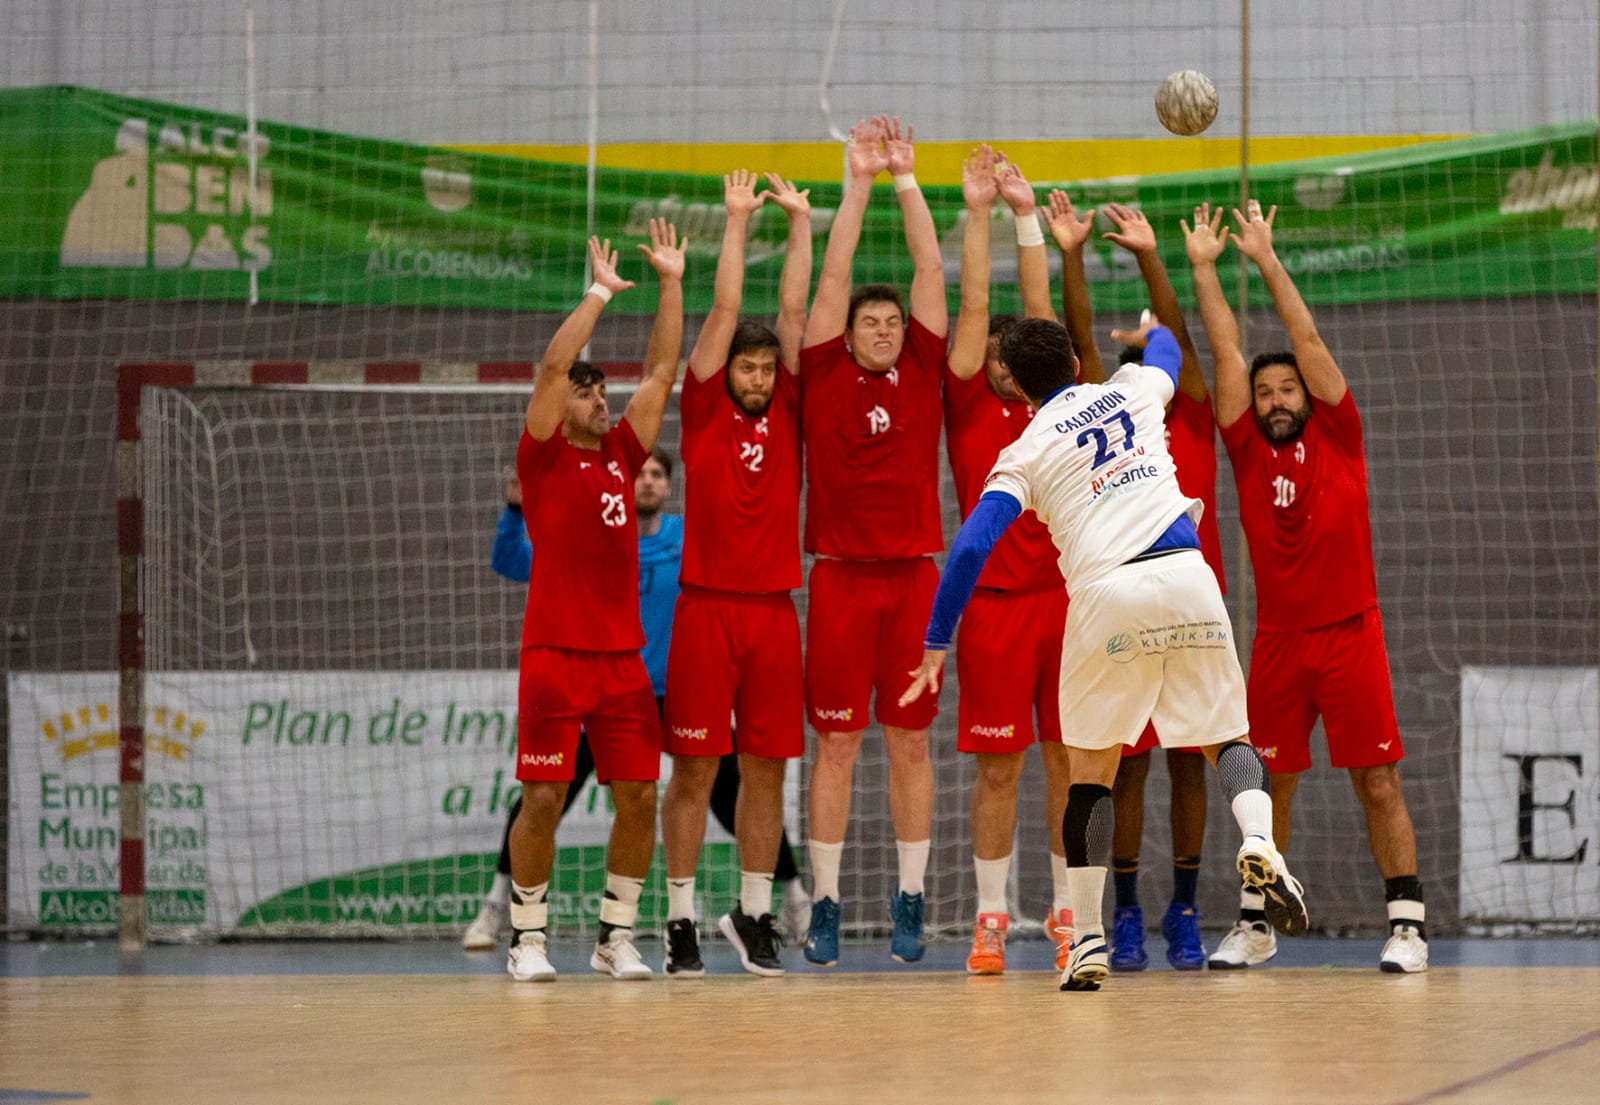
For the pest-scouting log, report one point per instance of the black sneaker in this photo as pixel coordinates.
(757, 940)
(683, 950)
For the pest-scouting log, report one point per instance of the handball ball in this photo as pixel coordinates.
(1186, 102)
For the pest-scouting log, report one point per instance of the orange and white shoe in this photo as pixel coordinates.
(1058, 926)
(988, 955)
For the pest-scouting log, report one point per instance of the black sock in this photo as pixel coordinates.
(1125, 880)
(1185, 878)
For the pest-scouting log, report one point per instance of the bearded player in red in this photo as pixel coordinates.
(736, 638)
(1294, 438)
(580, 666)
(870, 382)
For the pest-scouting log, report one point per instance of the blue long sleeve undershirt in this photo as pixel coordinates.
(995, 511)
(512, 554)
(1161, 351)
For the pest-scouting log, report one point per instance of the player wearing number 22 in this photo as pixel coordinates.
(580, 665)
(1147, 636)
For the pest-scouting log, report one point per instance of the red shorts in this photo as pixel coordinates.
(605, 694)
(1340, 671)
(1008, 662)
(865, 626)
(735, 655)
(1148, 740)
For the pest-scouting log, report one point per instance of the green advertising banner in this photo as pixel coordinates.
(111, 197)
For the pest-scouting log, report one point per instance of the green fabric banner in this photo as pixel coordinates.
(111, 197)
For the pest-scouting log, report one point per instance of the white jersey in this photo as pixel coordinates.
(1093, 465)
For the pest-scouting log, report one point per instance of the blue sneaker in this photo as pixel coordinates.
(1127, 940)
(1181, 926)
(906, 943)
(822, 938)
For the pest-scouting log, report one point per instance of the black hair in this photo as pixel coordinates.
(1130, 354)
(752, 337)
(1267, 360)
(874, 293)
(663, 458)
(999, 324)
(582, 374)
(1038, 354)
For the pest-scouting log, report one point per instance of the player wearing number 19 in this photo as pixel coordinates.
(1147, 636)
(580, 665)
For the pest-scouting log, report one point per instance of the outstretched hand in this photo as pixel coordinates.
(901, 153)
(978, 186)
(793, 200)
(739, 193)
(926, 678)
(1206, 240)
(866, 155)
(1134, 232)
(1014, 187)
(665, 251)
(1254, 236)
(1137, 338)
(603, 263)
(1069, 229)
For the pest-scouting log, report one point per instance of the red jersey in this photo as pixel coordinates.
(583, 585)
(741, 488)
(978, 424)
(1304, 509)
(1192, 441)
(872, 450)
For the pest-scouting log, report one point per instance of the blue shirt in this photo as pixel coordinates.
(660, 559)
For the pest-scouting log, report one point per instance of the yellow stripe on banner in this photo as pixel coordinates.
(940, 162)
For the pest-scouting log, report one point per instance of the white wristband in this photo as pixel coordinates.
(905, 182)
(600, 290)
(1029, 232)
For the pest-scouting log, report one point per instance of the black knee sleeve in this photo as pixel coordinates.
(1240, 769)
(1086, 826)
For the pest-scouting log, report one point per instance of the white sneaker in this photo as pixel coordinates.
(795, 916)
(1088, 963)
(1262, 868)
(1248, 944)
(618, 957)
(484, 933)
(1406, 952)
(528, 961)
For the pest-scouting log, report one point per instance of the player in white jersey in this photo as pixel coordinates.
(1147, 635)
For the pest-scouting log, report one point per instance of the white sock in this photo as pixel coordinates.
(680, 899)
(1058, 876)
(1404, 911)
(913, 864)
(1252, 899)
(825, 868)
(1086, 889)
(529, 910)
(992, 875)
(499, 891)
(755, 893)
(1252, 809)
(621, 904)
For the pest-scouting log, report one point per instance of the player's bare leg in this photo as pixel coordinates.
(1057, 779)
(1284, 784)
(828, 807)
(911, 808)
(533, 845)
(1127, 838)
(628, 853)
(1394, 847)
(1180, 925)
(758, 824)
(1086, 836)
(994, 827)
(683, 832)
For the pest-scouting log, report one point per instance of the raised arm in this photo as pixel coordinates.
(928, 304)
(1317, 366)
(1070, 231)
(1204, 243)
(1033, 269)
(716, 333)
(649, 403)
(831, 306)
(795, 280)
(550, 386)
(1135, 234)
(979, 188)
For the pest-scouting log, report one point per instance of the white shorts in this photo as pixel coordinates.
(1151, 642)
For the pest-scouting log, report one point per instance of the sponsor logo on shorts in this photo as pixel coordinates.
(1123, 647)
(1270, 752)
(683, 732)
(542, 759)
(1385, 745)
(1120, 648)
(835, 715)
(995, 732)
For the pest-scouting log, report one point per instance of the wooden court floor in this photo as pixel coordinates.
(1282, 1034)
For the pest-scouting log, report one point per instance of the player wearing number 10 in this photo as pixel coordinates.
(1147, 635)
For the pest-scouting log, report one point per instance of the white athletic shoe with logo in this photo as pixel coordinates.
(618, 957)
(1248, 944)
(528, 961)
(1088, 963)
(1262, 868)
(484, 933)
(1405, 952)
